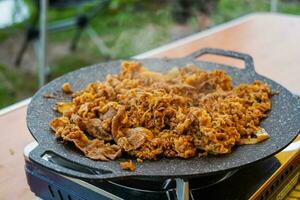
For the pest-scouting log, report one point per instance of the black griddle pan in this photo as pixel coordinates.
(283, 124)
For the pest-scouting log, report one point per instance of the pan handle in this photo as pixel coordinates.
(249, 66)
(41, 156)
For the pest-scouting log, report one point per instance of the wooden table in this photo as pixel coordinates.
(272, 39)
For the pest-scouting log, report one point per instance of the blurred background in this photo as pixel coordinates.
(85, 32)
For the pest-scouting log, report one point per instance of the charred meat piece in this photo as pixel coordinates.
(94, 127)
(95, 149)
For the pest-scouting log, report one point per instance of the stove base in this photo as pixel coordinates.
(49, 185)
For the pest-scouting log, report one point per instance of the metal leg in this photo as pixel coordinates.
(21, 52)
(182, 189)
(81, 23)
(274, 5)
(102, 48)
(31, 35)
(76, 39)
(42, 60)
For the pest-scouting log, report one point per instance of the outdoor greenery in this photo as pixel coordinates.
(126, 27)
(15, 85)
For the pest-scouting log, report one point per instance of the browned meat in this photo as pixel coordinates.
(138, 136)
(109, 114)
(185, 112)
(66, 87)
(95, 149)
(76, 119)
(48, 96)
(127, 165)
(184, 146)
(94, 128)
(116, 123)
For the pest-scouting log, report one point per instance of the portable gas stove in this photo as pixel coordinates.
(272, 178)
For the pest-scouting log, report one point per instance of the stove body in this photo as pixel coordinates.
(272, 178)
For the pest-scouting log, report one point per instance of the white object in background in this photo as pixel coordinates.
(15, 106)
(12, 12)
(273, 5)
(42, 59)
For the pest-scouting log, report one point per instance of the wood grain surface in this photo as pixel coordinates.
(14, 137)
(273, 41)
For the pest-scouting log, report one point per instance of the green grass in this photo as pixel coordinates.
(15, 85)
(114, 26)
(290, 8)
(124, 33)
(70, 63)
(230, 9)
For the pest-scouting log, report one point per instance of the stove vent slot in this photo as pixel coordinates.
(51, 191)
(271, 189)
(59, 194)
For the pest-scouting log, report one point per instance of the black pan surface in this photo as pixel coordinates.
(283, 124)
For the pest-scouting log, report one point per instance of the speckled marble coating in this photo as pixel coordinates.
(283, 124)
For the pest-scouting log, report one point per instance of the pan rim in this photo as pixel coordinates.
(126, 175)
